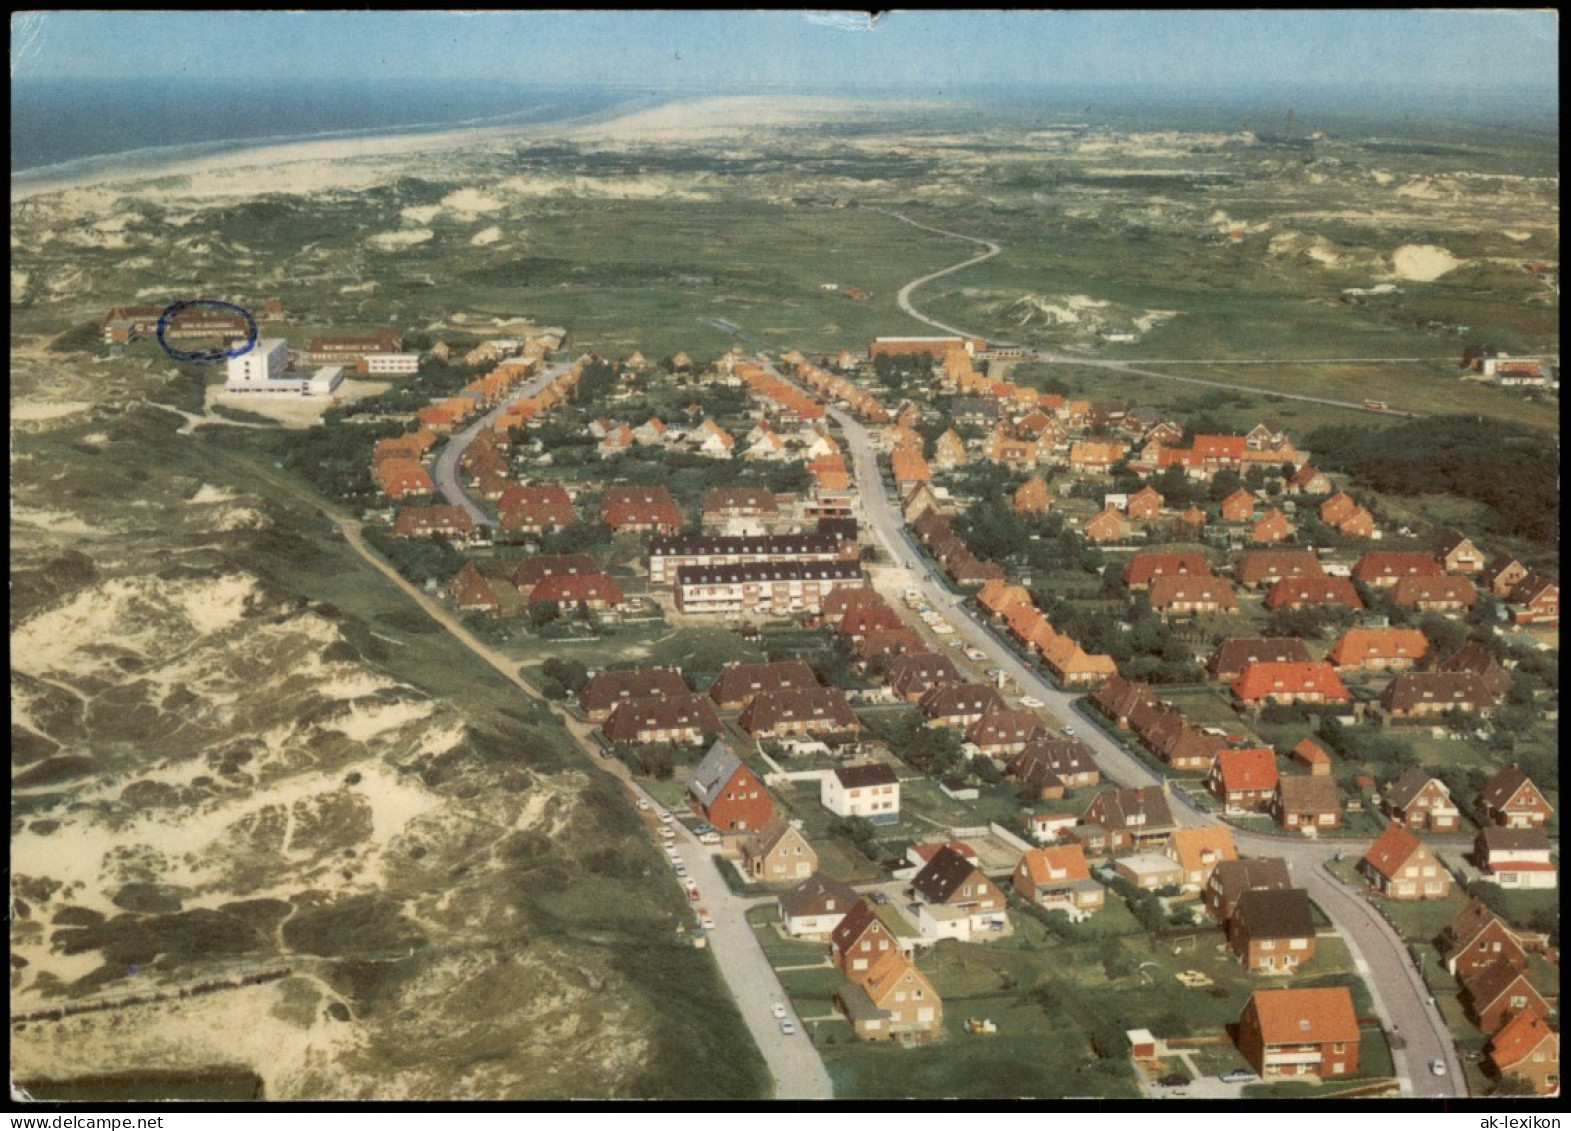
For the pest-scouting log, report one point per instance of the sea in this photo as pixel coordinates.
(70, 128)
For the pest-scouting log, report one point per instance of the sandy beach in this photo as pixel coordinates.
(302, 166)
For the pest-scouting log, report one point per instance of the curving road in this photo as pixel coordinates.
(1135, 368)
(444, 472)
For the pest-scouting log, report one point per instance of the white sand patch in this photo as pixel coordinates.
(96, 438)
(1516, 236)
(395, 801)
(56, 522)
(1327, 256)
(19, 281)
(26, 411)
(486, 236)
(207, 493)
(468, 204)
(240, 518)
(367, 720)
(1421, 189)
(422, 213)
(1381, 177)
(1422, 263)
(117, 611)
(364, 288)
(212, 606)
(357, 684)
(1151, 318)
(392, 241)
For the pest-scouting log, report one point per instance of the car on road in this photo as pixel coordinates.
(709, 838)
(943, 629)
(642, 804)
(1173, 1080)
(666, 834)
(1066, 730)
(1437, 1067)
(665, 817)
(1238, 1076)
(975, 654)
(705, 920)
(1031, 701)
(779, 1010)
(702, 829)
(787, 1026)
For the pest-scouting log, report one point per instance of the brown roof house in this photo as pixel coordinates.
(1132, 817)
(778, 853)
(1231, 657)
(1417, 695)
(1260, 568)
(1198, 851)
(1272, 931)
(959, 704)
(1231, 878)
(1400, 866)
(1307, 803)
(736, 684)
(1476, 938)
(860, 940)
(607, 689)
(679, 718)
(892, 1000)
(1511, 799)
(810, 710)
(1495, 994)
(1419, 800)
(815, 907)
(955, 900)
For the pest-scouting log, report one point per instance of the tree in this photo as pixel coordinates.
(571, 674)
(1515, 1085)
(542, 613)
(859, 831)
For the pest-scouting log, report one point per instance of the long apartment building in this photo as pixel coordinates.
(668, 554)
(763, 588)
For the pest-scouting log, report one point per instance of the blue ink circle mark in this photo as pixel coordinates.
(210, 356)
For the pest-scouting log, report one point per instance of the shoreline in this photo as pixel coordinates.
(657, 118)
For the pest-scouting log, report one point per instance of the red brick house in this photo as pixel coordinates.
(911, 675)
(1004, 732)
(1312, 757)
(1272, 931)
(1474, 657)
(1055, 764)
(680, 718)
(1527, 1047)
(859, 620)
(736, 684)
(1444, 594)
(1511, 799)
(485, 585)
(1231, 657)
(1266, 567)
(1495, 994)
(725, 793)
(1290, 1032)
(1033, 497)
(860, 939)
(1118, 697)
(1417, 695)
(1378, 649)
(1145, 504)
(1107, 525)
(1400, 866)
(882, 645)
(595, 591)
(1263, 683)
(434, 521)
(608, 689)
(1187, 596)
(640, 510)
(1059, 879)
(1141, 569)
(1244, 779)
(1238, 507)
(1418, 800)
(1132, 817)
(1477, 938)
(1502, 575)
(959, 704)
(1273, 526)
(784, 714)
(531, 571)
(1295, 593)
(1230, 879)
(1536, 600)
(1384, 568)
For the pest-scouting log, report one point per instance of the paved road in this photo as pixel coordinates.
(1379, 953)
(444, 472)
(1132, 367)
(794, 1063)
(797, 1068)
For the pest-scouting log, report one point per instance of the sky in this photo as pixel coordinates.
(925, 51)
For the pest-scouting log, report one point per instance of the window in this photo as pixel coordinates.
(1267, 944)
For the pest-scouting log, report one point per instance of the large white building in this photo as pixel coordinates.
(869, 790)
(265, 369)
(392, 363)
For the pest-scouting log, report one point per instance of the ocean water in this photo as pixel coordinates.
(77, 124)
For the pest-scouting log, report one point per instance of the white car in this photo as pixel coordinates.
(690, 884)
(666, 818)
(709, 838)
(1066, 730)
(778, 1010)
(975, 654)
(943, 629)
(1030, 701)
(642, 804)
(667, 834)
(707, 923)
(1438, 1067)
(787, 1026)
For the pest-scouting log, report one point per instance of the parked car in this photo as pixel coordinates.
(779, 1010)
(702, 829)
(709, 838)
(975, 654)
(1238, 1076)
(1438, 1067)
(787, 1026)
(642, 804)
(1066, 730)
(1173, 1080)
(1031, 701)
(665, 817)
(705, 920)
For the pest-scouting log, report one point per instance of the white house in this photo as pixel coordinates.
(1516, 858)
(265, 369)
(402, 363)
(870, 791)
